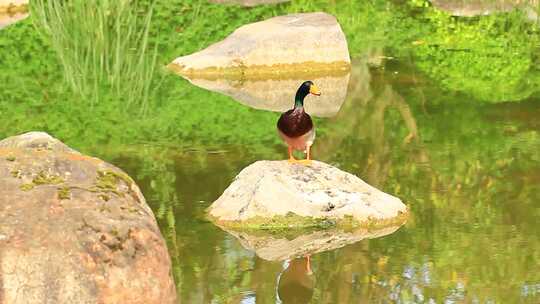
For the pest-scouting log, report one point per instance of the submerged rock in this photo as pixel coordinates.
(75, 229)
(473, 8)
(276, 247)
(280, 45)
(268, 193)
(278, 94)
(248, 3)
(12, 6)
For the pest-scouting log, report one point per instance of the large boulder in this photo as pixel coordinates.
(278, 94)
(75, 229)
(273, 193)
(278, 46)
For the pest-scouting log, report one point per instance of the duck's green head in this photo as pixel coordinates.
(308, 87)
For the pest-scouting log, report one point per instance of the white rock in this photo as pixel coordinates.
(311, 41)
(270, 188)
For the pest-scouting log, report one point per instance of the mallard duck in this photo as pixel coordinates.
(296, 127)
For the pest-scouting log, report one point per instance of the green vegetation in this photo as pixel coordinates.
(107, 182)
(58, 67)
(292, 225)
(45, 178)
(42, 178)
(27, 187)
(491, 59)
(64, 193)
(104, 52)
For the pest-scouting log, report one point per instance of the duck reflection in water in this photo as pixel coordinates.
(296, 282)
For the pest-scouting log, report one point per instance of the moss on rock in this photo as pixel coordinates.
(292, 223)
(44, 178)
(64, 193)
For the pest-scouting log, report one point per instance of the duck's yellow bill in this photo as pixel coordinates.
(314, 90)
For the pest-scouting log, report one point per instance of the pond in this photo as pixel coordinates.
(440, 111)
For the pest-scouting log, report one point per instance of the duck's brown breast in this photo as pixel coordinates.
(295, 123)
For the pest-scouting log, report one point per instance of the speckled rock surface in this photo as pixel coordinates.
(75, 229)
(279, 248)
(276, 188)
(311, 41)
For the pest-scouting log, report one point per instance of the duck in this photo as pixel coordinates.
(295, 126)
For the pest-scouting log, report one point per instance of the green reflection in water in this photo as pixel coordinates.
(438, 126)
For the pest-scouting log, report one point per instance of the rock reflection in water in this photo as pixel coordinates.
(276, 94)
(279, 248)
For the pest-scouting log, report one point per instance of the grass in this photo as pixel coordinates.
(101, 47)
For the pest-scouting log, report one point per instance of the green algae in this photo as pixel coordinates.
(16, 173)
(64, 193)
(107, 180)
(27, 187)
(43, 178)
(104, 197)
(293, 224)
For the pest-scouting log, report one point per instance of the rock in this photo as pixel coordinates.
(7, 19)
(480, 7)
(282, 247)
(278, 94)
(281, 45)
(13, 6)
(75, 229)
(270, 192)
(248, 3)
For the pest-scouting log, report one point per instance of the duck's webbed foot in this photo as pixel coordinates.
(293, 160)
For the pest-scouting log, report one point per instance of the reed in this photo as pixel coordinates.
(103, 47)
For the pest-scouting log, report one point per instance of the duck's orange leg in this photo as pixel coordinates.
(299, 161)
(291, 157)
(306, 161)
